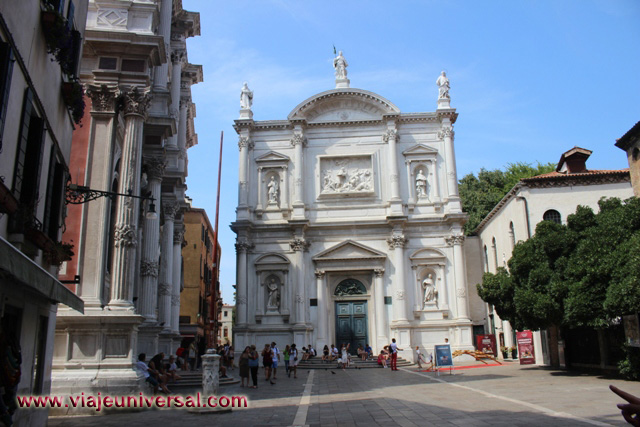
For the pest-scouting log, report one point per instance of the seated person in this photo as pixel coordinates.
(172, 370)
(335, 354)
(361, 353)
(156, 369)
(382, 359)
(369, 350)
(325, 353)
(305, 354)
(145, 372)
(312, 352)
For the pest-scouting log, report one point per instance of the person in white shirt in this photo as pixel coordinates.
(394, 354)
(276, 359)
(293, 361)
(143, 370)
(173, 369)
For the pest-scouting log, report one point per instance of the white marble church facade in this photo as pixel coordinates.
(349, 224)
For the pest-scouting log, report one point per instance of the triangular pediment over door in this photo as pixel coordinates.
(350, 255)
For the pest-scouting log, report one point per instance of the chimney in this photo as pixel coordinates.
(574, 161)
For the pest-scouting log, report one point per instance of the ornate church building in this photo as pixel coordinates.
(349, 224)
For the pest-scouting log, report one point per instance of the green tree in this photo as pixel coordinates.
(480, 194)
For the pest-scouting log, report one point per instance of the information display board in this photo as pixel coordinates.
(443, 355)
(487, 344)
(526, 351)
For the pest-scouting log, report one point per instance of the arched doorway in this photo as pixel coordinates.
(351, 315)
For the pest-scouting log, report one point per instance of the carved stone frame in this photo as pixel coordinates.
(347, 194)
(267, 265)
(423, 262)
(421, 156)
(272, 164)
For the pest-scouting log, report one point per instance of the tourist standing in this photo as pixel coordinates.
(267, 362)
(276, 359)
(254, 364)
(243, 365)
(393, 348)
(293, 355)
(286, 355)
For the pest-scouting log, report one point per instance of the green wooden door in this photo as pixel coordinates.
(351, 324)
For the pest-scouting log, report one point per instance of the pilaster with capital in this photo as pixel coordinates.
(447, 135)
(103, 115)
(149, 267)
(381, 312)
(169, 210)
(244, 145)
(178, 238)
(103, 98)
(298, 140)
(161, 74)
(462, 302)
(298, 246)
(136, 101)
(177, 60)
(391, 138)
(323, 321)
(397, 242)
(242, 247)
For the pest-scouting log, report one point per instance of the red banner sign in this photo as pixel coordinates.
(525, 348)
(487, 344)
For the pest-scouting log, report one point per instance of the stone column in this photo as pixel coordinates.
(162, 72)
(244, 143)
(460, 278)
(149, 267)
(452, 182)
(396, 243)
(284, 194)
(260, 189)
(298, 141)
(96, 247)
(322, 338)
(165, 287)
(298, 245)
(178, 238)
(176, 78)
(381, 324)
(391, 137)
(182, 133)
(136, 102)
(242, 247)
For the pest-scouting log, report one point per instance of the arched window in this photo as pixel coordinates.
(552, 215)
(494, 249)
(512, 235)
(486, 259)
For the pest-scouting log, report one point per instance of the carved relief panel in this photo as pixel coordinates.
(346, 176)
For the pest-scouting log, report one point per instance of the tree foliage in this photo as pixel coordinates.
(480, 194)
(585, 273)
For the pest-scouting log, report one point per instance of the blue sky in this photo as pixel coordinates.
(529, 79)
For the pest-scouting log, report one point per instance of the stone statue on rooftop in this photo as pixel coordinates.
(246, 97)
(340, 64)
(443, 86)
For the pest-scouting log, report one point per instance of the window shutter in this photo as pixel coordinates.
(6, 69)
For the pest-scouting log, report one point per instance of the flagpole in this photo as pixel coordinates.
(214, 277)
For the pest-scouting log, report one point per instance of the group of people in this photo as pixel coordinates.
(249, 362)
(157, 372)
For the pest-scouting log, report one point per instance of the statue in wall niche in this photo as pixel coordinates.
(421, 184)
(443, 85)
(246, 97)
(429, 287)
(272, 190)
(340, 64)
(273, 303)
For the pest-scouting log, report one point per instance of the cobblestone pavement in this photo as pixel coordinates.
(488, 396)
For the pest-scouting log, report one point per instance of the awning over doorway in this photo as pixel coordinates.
(22, 269)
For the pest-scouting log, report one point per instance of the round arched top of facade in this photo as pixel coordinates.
(343, 105)
(350, 287)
